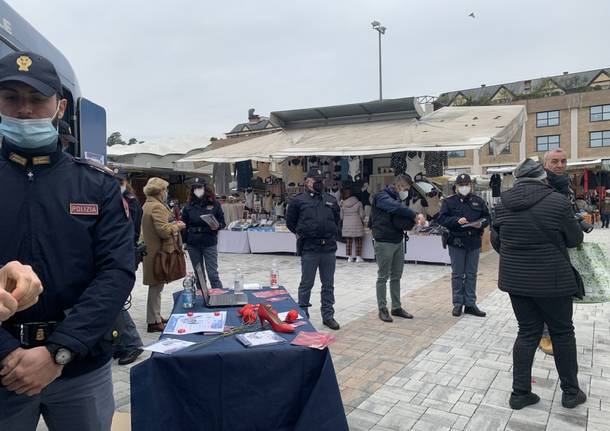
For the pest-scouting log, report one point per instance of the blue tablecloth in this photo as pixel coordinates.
(224, 386)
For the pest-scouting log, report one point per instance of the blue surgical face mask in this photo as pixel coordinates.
(31, 134)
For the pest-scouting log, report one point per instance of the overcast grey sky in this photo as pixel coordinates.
(195, 67)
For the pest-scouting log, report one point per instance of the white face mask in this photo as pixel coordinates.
(123, 188)
(463, 190)
(404, 194)
(199, 193)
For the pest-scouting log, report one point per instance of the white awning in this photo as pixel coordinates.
(448, 129)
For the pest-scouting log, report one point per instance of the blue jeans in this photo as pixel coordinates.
(82, 403)
(464, 267)
(207, 257)
(129, 339)
(326, 262)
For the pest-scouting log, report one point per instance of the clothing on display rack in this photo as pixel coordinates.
(365, 195)
(335, 192)
(243, 172)
(415, 163)
(232, 211)
(222, 178)
(591, 181)
(398, 163)
(249, 199)
(435, 162)
(268, 203)
(280, 209)
(354, 167)
(344, 169)
(495, 182)
(264, 170)
(294, 172)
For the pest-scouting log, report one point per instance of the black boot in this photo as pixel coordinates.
(517, 402)
(401, 312)
(457, 311)
(569, 401)
(331, 323)
(474, 310)
(384, 315)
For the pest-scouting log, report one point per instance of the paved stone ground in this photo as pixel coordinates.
(435, 372)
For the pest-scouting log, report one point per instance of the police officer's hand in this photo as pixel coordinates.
(22, 283)
(8, 305)
(462, 221)
(29, 371)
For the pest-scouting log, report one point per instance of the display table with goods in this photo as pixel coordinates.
(240, 377)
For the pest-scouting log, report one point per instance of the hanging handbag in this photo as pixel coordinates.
(170, 266)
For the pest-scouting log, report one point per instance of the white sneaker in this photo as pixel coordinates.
(350, 260)
(359, 259)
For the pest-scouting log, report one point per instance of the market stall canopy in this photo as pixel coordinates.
(448, 129)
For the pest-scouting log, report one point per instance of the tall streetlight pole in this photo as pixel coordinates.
(381, 30)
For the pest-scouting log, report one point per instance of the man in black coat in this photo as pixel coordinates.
(314, 217)
(555, 165)
(466, 216)
(533, 227)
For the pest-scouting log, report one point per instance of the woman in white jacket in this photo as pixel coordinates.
(352, 214)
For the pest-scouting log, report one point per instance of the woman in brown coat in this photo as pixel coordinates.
(160, 232)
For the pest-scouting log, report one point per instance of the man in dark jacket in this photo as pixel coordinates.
(466, 216)
(64, 217)
(314, 217)
(533, 227)
(390, 219)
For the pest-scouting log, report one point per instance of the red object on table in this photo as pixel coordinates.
(292, 316)
(266, 312)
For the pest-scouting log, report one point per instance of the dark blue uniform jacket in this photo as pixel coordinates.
(67, 220)
(473, 208)
(314, 218)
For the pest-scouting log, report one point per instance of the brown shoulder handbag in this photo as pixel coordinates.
(170, 266)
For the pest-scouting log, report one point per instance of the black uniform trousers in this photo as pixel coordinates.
(531, 314)
(325, 261)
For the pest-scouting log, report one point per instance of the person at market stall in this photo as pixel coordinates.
(605, 210)
(533, 227)
(314, 217)
(65, 218)
(352, 214)
(67, 139)
(390, 219)
(201, 237)
(466, 216)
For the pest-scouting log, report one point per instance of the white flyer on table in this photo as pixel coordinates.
(168, 345)
(182, 324)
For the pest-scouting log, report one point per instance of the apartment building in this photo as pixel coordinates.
(569, 111)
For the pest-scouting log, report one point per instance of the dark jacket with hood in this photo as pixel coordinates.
(530, 262)
(390, 217)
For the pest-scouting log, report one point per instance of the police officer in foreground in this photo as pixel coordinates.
(466, 216)
(65, 218)
(314, 217)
